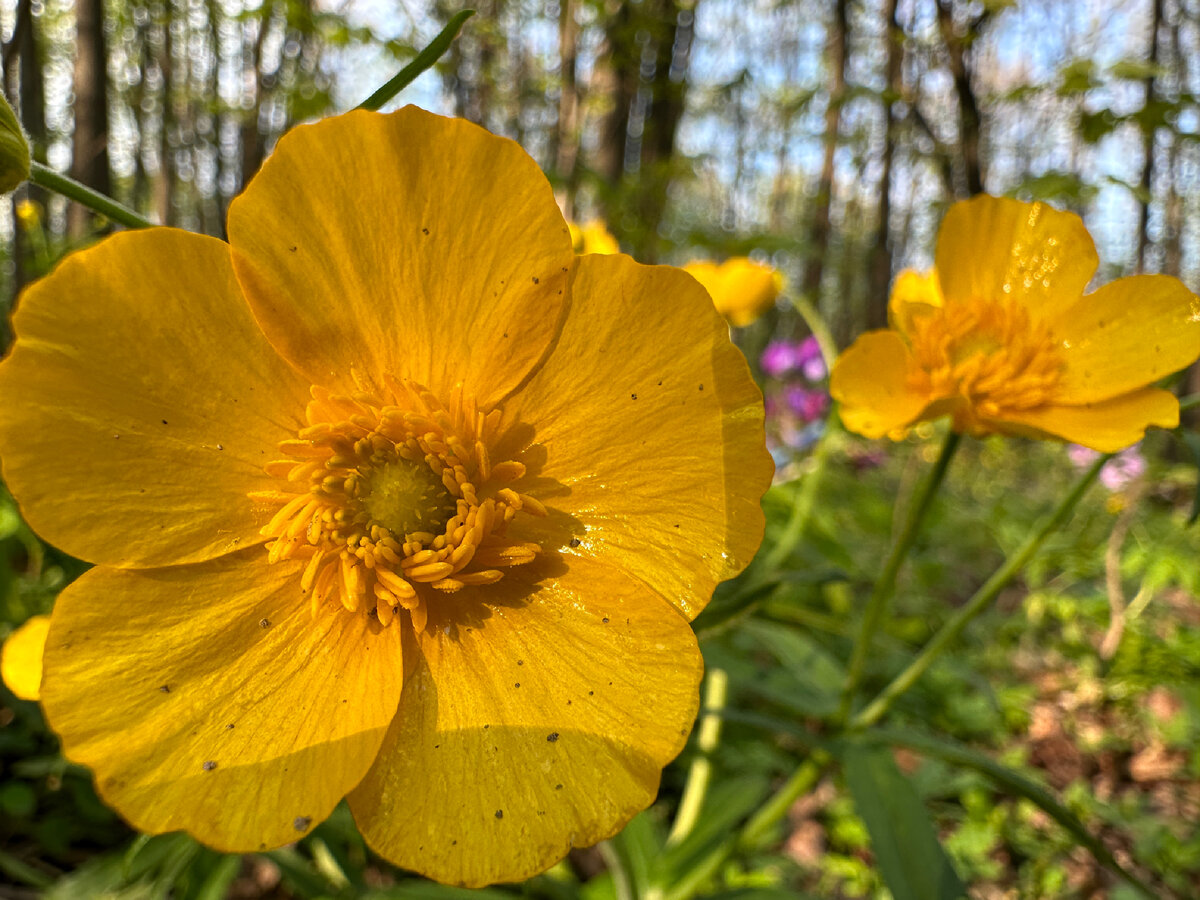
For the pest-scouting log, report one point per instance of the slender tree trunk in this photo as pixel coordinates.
(881, 249)
(969, 120)
(89, 158)
(818, 235)
(566, 133)
(672, 25)
(1148, 135)
(164, 195)
(616, 80)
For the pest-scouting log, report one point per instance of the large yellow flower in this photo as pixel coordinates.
(741, 289)
(1001, 337)
(391, 497)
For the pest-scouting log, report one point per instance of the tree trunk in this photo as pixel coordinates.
(969, 121)
(881, 249)
(566, 133)
(89, 156)
(1148, 134)
(818, 235)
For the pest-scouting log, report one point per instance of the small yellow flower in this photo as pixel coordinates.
(1001, 338)
(593, 237)
(29, 214)
(741, 289)
(393, 497)
(21, 658)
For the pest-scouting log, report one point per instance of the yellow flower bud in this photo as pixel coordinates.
(14, 149)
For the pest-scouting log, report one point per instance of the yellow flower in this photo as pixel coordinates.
(593, 237)
(741, 289)
(1001, 337)
(391, 497)
(21, 657)
(29, 214)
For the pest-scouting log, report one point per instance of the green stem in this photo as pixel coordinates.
(700, 772)
(622, 882)
(40, 173)
(820, 330)
(426, 58)
(766, 816)
(1189, 402)
(802, 507)
(878, 707)
(771, 812)
(886, 583)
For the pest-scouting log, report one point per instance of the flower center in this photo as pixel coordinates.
(404, 498)
(988, 354)
(387, 497)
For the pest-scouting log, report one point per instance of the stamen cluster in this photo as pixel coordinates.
(386, 496)
(990, 353)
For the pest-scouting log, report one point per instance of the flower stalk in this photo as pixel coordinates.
(878, 707)
(41, 174)
(424, 60)
(886, 584)
(696, 788)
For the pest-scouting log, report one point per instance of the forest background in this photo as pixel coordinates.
(826, 139)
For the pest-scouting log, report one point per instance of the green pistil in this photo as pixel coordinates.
(404, 497)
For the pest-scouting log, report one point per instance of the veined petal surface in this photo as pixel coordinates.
(1106, 425)
(21, 658)
(406, 244)
(646, 433)
(870, 381)
(1126, 334)
(209, 698)
(537, 718)
(989, 248)
(141, 402)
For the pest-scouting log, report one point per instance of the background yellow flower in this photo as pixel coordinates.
(593, 237)
(741, 289)
(244, 438)
(21, 658)
(1001, 337)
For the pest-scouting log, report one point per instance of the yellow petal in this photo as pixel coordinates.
(407, 244)
(1107, 425)
(1126, 335)
(870, 381)
(741, 289)
(537, 719)
(21, 658)
(913, 295)
(647, 433)
(141, 402)
(213, 701)
(994, 247)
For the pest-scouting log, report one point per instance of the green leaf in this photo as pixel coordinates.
(911, 860)
(1012, 782)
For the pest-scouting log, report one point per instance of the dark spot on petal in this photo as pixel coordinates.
(558, 787)
(164, 421)
(535, 280)
(220, 447)
(230, 725)
(520, 662)
(633, 396)
(575, 542)
(517, 684)
(301, 823)
(590, 693)
(552, 737)
(499, 814)
(453, 843)
(266, 623)
(701, 387)
(209, 765)
(292, 248)
(166, 689)
(660, 382)
(424, 231)
(605, 620)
